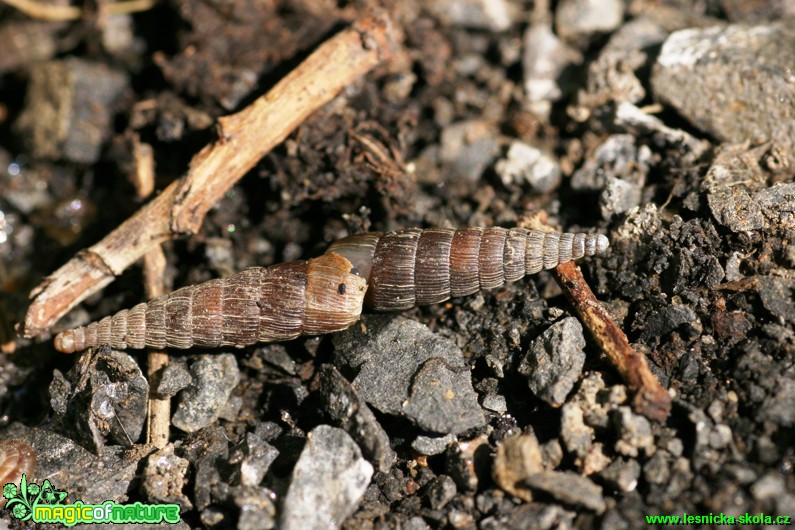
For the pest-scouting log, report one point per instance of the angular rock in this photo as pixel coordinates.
(257, 508)
(173, 378)
(440, 492)
(104, 395)
(578, 20)
(570, 488)
(442, 399)
(734, 87)
(622, 474)
(214, 378)
(165, 476)
(577, 436)
(252, 458)
(493, 15)
(328, 481)
(432, 445)
(634, 431)
(517, 458)
(525, 164)
(554, 361)
(544, 61)
(406, 370)
(68, 109)
(350, 412)
(468, 148)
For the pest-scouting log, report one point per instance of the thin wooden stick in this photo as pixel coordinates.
(59, 13)
(244, 138)
(154, 265)
(651, 399)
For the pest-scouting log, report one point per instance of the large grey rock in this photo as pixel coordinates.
(406, 370)
(731, 81)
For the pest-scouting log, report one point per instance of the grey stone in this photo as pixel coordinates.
(257, 508)
(164, 477)
(634, 431)
(613, 77)
(618, 156)
(734, 87)
(327, 483)
(214, 378)
(252, 458)
(658, 468)
(104, 396)
(493, 15)
(579, 20)
(525, 164)
(442, 399)
(622, 474)
(619, 196)
(468, 148)
(432, 445)
(778, 204)
(495, 403)
(577, 436)
(777, 296)
(68, 109)
(440, 492)
(407, 371)
(89, 477)
(344, 406)
(665, 320)
(545, 59)
(569, 488)
(630, 118)
(173, 378)
(734, 208)
(554, 361)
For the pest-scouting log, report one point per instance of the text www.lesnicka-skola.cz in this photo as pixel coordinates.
(719, 519)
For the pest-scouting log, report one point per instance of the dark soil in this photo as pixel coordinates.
(455, 132)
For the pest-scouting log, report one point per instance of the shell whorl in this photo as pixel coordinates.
(420, 267)
(276, 303)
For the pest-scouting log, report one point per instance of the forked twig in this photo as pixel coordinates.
(244, 138)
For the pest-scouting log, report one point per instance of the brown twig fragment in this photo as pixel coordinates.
(651, 399)
(244, 138)
(154, 265)
(56, 12)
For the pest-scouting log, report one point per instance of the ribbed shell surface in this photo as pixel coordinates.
(256, 305)
(419, 267)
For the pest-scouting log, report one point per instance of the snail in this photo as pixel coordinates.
(384, 272)
(16, 458)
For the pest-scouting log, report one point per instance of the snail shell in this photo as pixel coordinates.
(276, 303)
(16, 458)
(396, 270)
(420, 267)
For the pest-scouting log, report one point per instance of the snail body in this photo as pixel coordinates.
(386, 272)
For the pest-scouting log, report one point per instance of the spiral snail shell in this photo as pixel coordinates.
(15, 458)
(276, 303)
(396, 270)
(421, 267)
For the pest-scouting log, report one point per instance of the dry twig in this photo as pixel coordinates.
(154, 265)
(244, 138)
(60, 13)
(651, 399)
